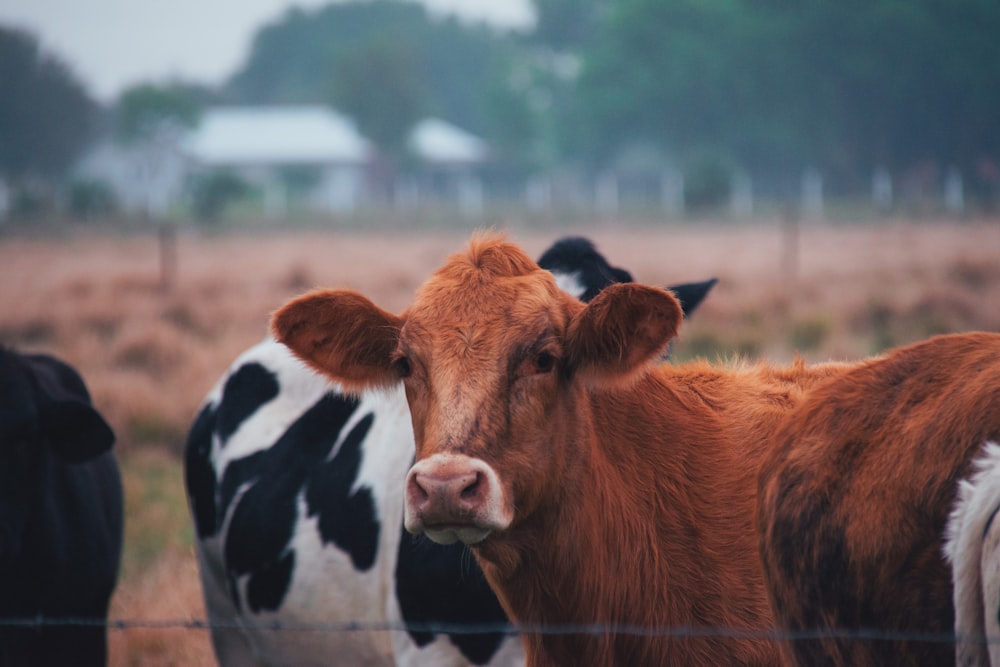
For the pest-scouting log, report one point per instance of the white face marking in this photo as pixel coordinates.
(570, 283)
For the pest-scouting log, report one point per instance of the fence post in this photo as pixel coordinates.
(882, 189)
(812, 193)
(672, 191)
(954, 197)
(741, 194)
(168, 256)
(606, 195)
(791, 223)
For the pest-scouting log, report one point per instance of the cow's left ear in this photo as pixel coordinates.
(624, 328)
(75, 431)
(343, 335)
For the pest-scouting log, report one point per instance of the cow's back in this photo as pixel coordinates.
(856, 496)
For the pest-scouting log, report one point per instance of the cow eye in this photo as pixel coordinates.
(402, 366)
(544, 362)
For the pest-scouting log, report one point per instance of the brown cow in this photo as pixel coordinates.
(856, 495)
(595, 486)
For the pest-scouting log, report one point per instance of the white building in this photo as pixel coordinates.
(147, 177)
(276, 147)
(262, 143)
(450, 158)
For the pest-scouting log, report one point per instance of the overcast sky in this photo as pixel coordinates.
(111, 44)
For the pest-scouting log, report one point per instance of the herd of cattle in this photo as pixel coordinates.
(512, 452)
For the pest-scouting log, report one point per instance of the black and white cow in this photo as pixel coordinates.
(296, 493)
(972, 547)
(60, 515)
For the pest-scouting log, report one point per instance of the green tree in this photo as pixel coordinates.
(294, 59)
(378, 84)
(152, 119)
(147, 110)
(568, 25)
(215, 191)
(780, 84)
(661, 73)
(514, 125)
(46, 115)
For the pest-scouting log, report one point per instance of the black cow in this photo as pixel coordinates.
(60, 516)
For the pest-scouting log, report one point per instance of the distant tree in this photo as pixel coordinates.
(90, 199)
(147, 110)
(769, 86)
(514, 123)
(46, 115)
(378, 84)
(905, 80)
(776, 85)
(662, 73)
(293, 59)
(568, 25)
(152, 119)
(215, 191)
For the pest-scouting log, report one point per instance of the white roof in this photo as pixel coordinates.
(435, 140)
(276, 135)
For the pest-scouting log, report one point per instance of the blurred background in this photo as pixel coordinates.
(171, 173)
(207, 111)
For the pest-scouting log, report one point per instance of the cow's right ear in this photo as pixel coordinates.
(343, 335)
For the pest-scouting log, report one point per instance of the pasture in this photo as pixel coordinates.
(150, 353)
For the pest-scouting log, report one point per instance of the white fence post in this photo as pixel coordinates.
(742, 194)
(672, 191)
(812, 193)
(606, 194)
(954, 195)
(882, 188)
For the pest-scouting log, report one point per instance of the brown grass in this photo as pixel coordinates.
(149, 355)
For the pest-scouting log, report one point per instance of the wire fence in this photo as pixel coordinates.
(679, 632)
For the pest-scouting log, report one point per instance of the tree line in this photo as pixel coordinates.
(764, 87)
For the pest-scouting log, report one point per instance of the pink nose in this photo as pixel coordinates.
(446, 493)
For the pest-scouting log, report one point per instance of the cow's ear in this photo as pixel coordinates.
(624, 328)
(343, 335)
(75, 431)
(692, 294)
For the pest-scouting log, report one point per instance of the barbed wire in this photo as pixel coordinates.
(680, 632)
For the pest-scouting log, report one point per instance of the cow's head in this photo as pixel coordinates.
(495, 360)
(45, 411)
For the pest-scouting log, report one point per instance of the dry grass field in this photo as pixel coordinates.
(150, 354)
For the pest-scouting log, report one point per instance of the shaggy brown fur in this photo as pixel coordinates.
(856, 494)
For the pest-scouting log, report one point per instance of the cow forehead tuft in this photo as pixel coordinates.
(450, 299)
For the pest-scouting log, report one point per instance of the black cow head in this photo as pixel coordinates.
(45, 411)
(576, 256)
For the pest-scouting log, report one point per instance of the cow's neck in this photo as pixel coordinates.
(651, 512)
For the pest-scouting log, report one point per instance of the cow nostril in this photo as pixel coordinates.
(471, 490)
(417, 491)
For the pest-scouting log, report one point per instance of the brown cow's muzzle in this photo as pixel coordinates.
(452, 497)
